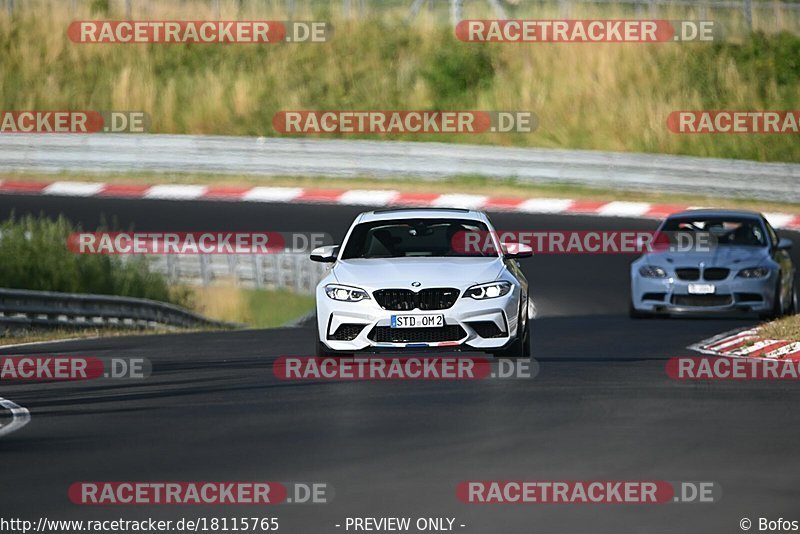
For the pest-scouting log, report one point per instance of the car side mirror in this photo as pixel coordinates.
(784, 244)
(517, 251)
(326, 254)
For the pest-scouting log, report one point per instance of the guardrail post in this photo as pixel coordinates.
(205, 275)
(499, 12)
(171, 268)
(298, 279)
(258, 270)
(233, 260)
(279, 272)
(414, 9)
(747, 6)
(564, 8)
(456, 11)
(777, 7)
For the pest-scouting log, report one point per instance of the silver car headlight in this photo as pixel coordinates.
(754, 272)
(488, 291)
(346, 293)
(651, 271)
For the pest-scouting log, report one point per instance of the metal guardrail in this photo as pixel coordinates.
(22, 309)
(107, 153)
(294, 272)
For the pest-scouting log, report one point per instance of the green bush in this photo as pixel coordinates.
(35, 256)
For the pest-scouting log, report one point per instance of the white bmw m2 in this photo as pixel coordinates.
(399, 282)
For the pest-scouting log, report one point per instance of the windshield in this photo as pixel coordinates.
(405, 238)
(722, 230)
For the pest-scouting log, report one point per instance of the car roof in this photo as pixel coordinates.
(422, 213)
(741, 214)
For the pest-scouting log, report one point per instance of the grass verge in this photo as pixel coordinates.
(257, 308)
(60, 335)
(787, 328)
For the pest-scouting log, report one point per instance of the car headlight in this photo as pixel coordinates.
(753, 272)
(488, 291)
(345, 293)
(651, 271)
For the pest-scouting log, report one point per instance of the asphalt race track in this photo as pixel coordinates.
(601, 407)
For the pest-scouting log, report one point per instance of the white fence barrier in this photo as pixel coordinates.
(294, 272)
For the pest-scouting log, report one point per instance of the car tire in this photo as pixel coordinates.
(777, 306)
(323, 351)
(526, 341)
(792, 301)
(520, 347)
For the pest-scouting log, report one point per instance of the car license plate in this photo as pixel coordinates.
(702, 289)
(417, 321)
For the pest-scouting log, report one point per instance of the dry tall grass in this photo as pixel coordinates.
(255, 308)
(591, 96)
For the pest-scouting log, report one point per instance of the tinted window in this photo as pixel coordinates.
(409, 238)
(723, 230)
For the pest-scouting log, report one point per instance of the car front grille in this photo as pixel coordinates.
(715, 273)
(387, 334)
(347, 332)
(437, 298)
(688, 273)
(712, 274)
(701, 300)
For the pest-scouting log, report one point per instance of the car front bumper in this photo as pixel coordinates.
(465, 321)
(671, 295)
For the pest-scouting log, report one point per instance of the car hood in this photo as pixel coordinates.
(429, 272)
(722, 256)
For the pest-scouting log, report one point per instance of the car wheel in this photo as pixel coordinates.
(526, 343)
(324, 352)
(520, 347)
(633, 313)
(792, 301)
(777, 303)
